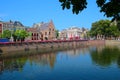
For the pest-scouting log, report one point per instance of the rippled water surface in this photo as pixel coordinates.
(89, 63)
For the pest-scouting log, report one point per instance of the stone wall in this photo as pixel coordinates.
(42, 47)
(112, 42)
(7, 48)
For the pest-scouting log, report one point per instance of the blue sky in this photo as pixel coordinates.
(34, 11)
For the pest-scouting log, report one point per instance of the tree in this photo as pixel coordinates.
(111, 8)
(77, 5)
(99, 27)
(23, 34)
(20, 35)
(104, 27)
(6, 34)
(114, 31)
(57, 33)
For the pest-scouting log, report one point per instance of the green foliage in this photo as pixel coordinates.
(0, 35)
(114, 31)
(111, 8)
(6, 34)
(23, 34)
(57, 33)
(104, 27)
(20, 34)
(77, 5)
(99, 27)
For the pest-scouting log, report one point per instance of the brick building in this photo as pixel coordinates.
(46, 30)
(34, 34)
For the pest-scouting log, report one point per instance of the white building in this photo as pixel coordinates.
(73, 33)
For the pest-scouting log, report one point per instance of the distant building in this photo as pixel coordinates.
(8, 26)
(46, 30)
(18, 25)
(13, 26)
(73, 33)
(1, 27)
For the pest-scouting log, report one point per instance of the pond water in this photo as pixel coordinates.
(88, 63)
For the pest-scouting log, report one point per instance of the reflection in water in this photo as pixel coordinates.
(12, 64)
(43, 59)
(106, 56)
(74, 64)
(16, 64)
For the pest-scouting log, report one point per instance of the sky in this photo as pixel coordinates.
(29, 12)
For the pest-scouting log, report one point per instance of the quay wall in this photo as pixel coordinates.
(45, 46)
(112, 42)
(25, 46)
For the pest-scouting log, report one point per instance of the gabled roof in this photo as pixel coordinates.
(32, 30)
(44, 26)
(17, 23)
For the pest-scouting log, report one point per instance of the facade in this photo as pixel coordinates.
(1, 27)
(46, 30)
(18, 26)
(13, 26)
(73, 33)
(8, 26)
(34, 34)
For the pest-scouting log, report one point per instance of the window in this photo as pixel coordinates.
(45, 33)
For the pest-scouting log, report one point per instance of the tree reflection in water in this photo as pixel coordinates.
(17, 64)
(61, 64)
(106, 56)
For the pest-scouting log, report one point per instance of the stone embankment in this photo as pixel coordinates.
(112, 42)
(44, 46)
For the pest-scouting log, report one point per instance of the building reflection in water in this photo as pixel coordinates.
(1, 65)
(42, 59)
(103, 56)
